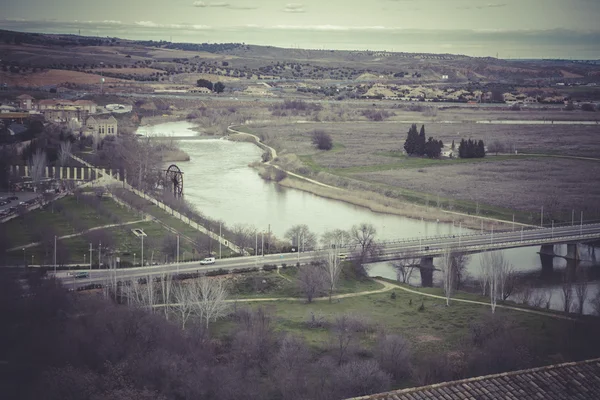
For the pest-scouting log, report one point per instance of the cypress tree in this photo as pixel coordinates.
(480, 149)
(411, 140)
(420, 147)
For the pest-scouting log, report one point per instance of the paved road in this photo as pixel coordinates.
(410, 248)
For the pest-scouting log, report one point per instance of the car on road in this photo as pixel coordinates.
(82, 274)
(343, 256)
(12, 198)
(207, 261)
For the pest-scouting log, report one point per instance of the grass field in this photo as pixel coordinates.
(369, 157)
(427, 323)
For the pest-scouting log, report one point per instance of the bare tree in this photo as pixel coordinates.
(301, 237)
(448, 274)
(332, 267)
(393, 354)
(37, 166)
(141, 293)
(460, 261)
(595, 301)
(64, 153)
(210, 296)
(184, 297)
(363, 237)
(343, 336)
(166, 284)
(339, 237)
(404, 268)
(484, 276)
(311, 280)
(500, 275)
(567, 293)
(243, 235)
(581, 288)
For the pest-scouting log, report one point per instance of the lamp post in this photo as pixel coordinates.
(177, 254)
(134, 259)
(142, 255)
(25, 260)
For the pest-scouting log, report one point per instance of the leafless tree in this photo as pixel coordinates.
(393, 354)
(37, 166)
(210, 295)
(567, 293)
(243, 235)
(581, 289)
(360, 378)
(185, 298)
(526, 294)
(311, 280)
(404, 268)
(338, 237)
(332, 267)
(166, 286)
(301, 237)
(459, 265)
(343, 336)
(500, 275)
(484, 276)
(362, 236)
(141, 293)
(448, 274)
(595, 301)
(64, 153)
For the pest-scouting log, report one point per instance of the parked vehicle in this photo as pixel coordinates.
(12, 198)
(82, 274)
(208, 260)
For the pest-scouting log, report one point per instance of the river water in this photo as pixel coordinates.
(220, 184)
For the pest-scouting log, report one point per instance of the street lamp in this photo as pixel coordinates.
(25, 260)
(134, 259)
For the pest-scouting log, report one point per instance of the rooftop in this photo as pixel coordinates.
(574, 380)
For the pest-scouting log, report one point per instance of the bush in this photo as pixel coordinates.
(588, 107)
(217, 272)
(322, 140)
(269, 267)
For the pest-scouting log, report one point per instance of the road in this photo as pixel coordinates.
(391, 250)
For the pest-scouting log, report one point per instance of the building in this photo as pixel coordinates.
(574, 380)
(86, 105)
(101, 125)
(202, 90)
(25, 101)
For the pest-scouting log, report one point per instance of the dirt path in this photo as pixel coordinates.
(33, 244)
(274, 155)
(552, 156)
(525, 310)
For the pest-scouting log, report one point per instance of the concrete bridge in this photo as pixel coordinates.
(425, 249)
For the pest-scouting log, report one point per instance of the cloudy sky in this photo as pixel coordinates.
(476, 27)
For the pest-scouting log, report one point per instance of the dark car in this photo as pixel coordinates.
(13, 198)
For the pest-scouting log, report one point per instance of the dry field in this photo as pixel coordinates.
(53, 77)
(523, 184)
(372, 154)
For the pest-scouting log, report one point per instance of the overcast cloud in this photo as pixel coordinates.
(244, 20)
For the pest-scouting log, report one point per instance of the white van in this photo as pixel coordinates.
(208, 260)
(343, 256)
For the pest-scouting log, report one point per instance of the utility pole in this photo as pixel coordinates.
(177, 254)
(220, 238)
(572, 217)
(513, 229)
(552, 228)
(542, 218)
(581, 224)
(100, 255)
(90, 259)
(298, 246)
(492, 239)
(262, 244)
(521, 234)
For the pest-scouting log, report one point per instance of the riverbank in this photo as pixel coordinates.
(371, 200)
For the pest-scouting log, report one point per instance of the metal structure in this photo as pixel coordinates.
(174, 180)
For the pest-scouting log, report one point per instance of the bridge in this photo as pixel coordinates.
(476, 243)
(423, 249)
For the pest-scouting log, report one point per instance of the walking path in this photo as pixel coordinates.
(388, 286)
(525, 310)
(33, 244)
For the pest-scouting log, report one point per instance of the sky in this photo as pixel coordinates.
(513, 28)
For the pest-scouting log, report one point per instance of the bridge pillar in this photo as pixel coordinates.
(572, 251)
(26, 170)
(68, 173)
(547, 262)
(426, 271)
(46, 172)
(547, 249)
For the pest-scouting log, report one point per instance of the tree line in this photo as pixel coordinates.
(217, 87)
(417, 145)
(471, 149)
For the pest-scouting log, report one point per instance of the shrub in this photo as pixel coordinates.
(269, 267)
(322, 140)
(217, 272)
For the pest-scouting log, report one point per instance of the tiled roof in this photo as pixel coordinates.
(576, 380)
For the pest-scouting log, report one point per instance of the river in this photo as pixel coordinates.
(221, 185)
